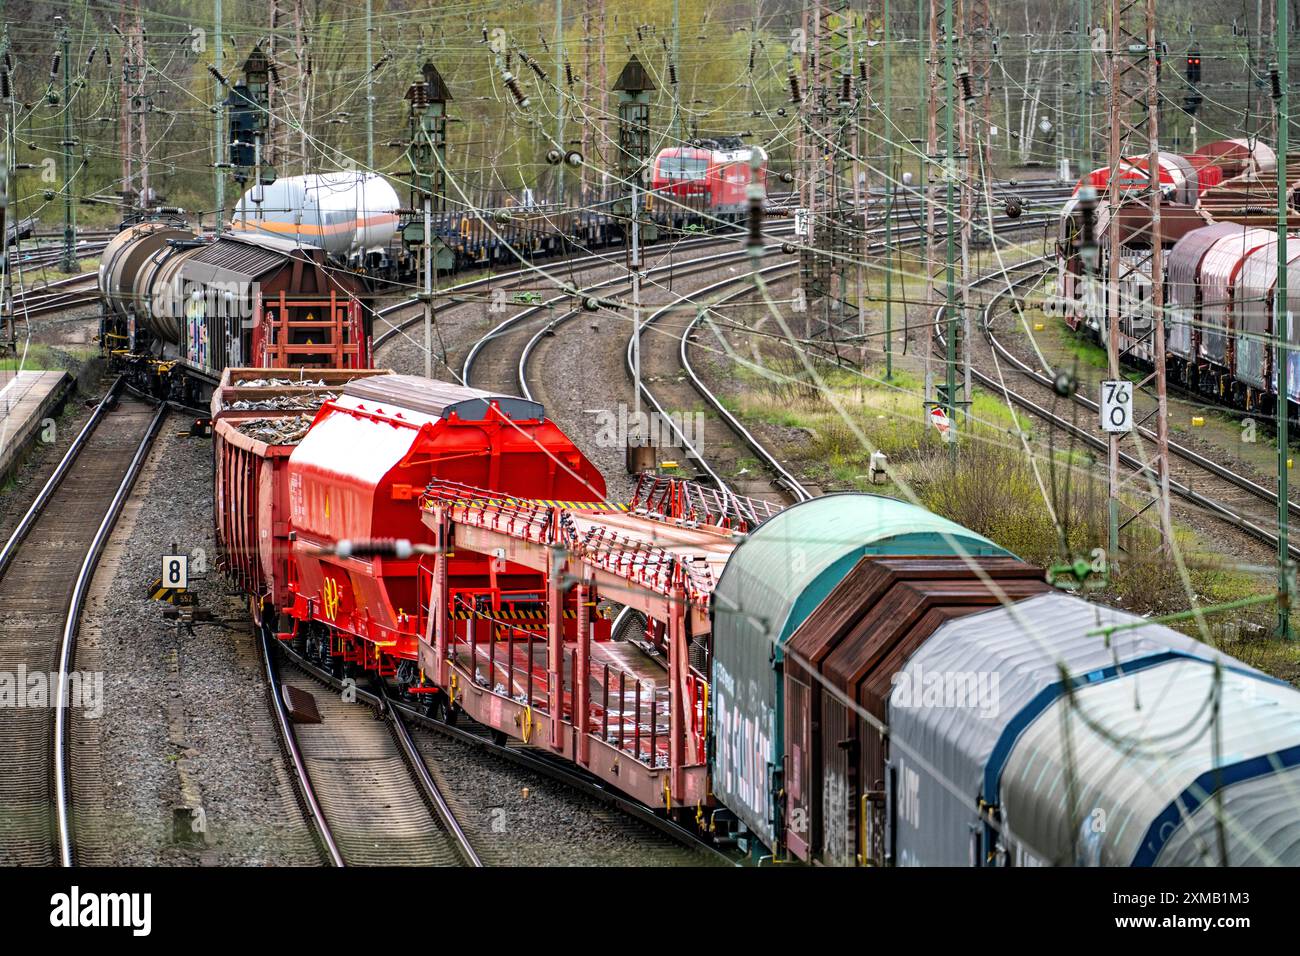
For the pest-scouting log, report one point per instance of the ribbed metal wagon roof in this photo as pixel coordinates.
(1142, 752)
(1186, 255)
(439, 399)
(228, 259)
(1009, 754)
(790, 563)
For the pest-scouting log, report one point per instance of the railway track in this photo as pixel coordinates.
(44, 258)
(1237, 497)
(444, 746)
(1190, 455)
(1038, 194)
(741, 440)
(58, 296)
(46, 568)
(364, 786)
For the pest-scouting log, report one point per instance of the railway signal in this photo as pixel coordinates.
(249, 106)
(427, 149)
(634, 87)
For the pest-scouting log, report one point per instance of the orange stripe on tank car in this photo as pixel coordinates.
(305, 228)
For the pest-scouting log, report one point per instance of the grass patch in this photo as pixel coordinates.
(995, 490)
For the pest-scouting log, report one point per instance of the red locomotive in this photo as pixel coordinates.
(710, 177)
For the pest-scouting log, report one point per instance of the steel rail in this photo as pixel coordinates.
(688, 268)
(597, 260)
(791, 483)
(67, 646)
(1181, 450)
(565, 774)
(60, 471)
(289, 741)
(1129, 461)
(784, 477)
(432, 793)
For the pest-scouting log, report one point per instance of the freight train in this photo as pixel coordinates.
(292, 280)
(854, 680)
(1217, 230)
(177, 309)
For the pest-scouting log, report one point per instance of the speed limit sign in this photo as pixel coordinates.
(1117, 406)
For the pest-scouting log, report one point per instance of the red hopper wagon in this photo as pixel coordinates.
(287, 494)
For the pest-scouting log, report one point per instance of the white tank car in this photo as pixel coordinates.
(347, 214)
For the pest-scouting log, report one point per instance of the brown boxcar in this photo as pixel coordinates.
(842, 660)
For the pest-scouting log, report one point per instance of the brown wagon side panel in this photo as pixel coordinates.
(852, 645)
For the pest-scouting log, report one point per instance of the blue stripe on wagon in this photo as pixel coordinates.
(1018, 724)
(1202, 789)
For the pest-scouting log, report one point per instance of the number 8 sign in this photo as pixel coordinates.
(176, 571)
(1117, 406)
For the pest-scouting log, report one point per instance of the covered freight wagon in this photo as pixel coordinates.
(1103, 749)
(359, 473)
(775, 578)
(1220, 268)
(1184, 287)
(1255, 323)
(841, 664)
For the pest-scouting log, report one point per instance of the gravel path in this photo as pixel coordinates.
(186, 720)
(516, 817)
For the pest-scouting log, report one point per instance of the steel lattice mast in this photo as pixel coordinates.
(1135, 259)
(942, 122)
(1283, 119)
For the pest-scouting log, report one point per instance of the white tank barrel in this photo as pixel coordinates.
(347, 213)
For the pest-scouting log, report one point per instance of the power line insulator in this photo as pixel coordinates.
(795, 96)
(967, 91)
(512, 85)
(54, 64)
